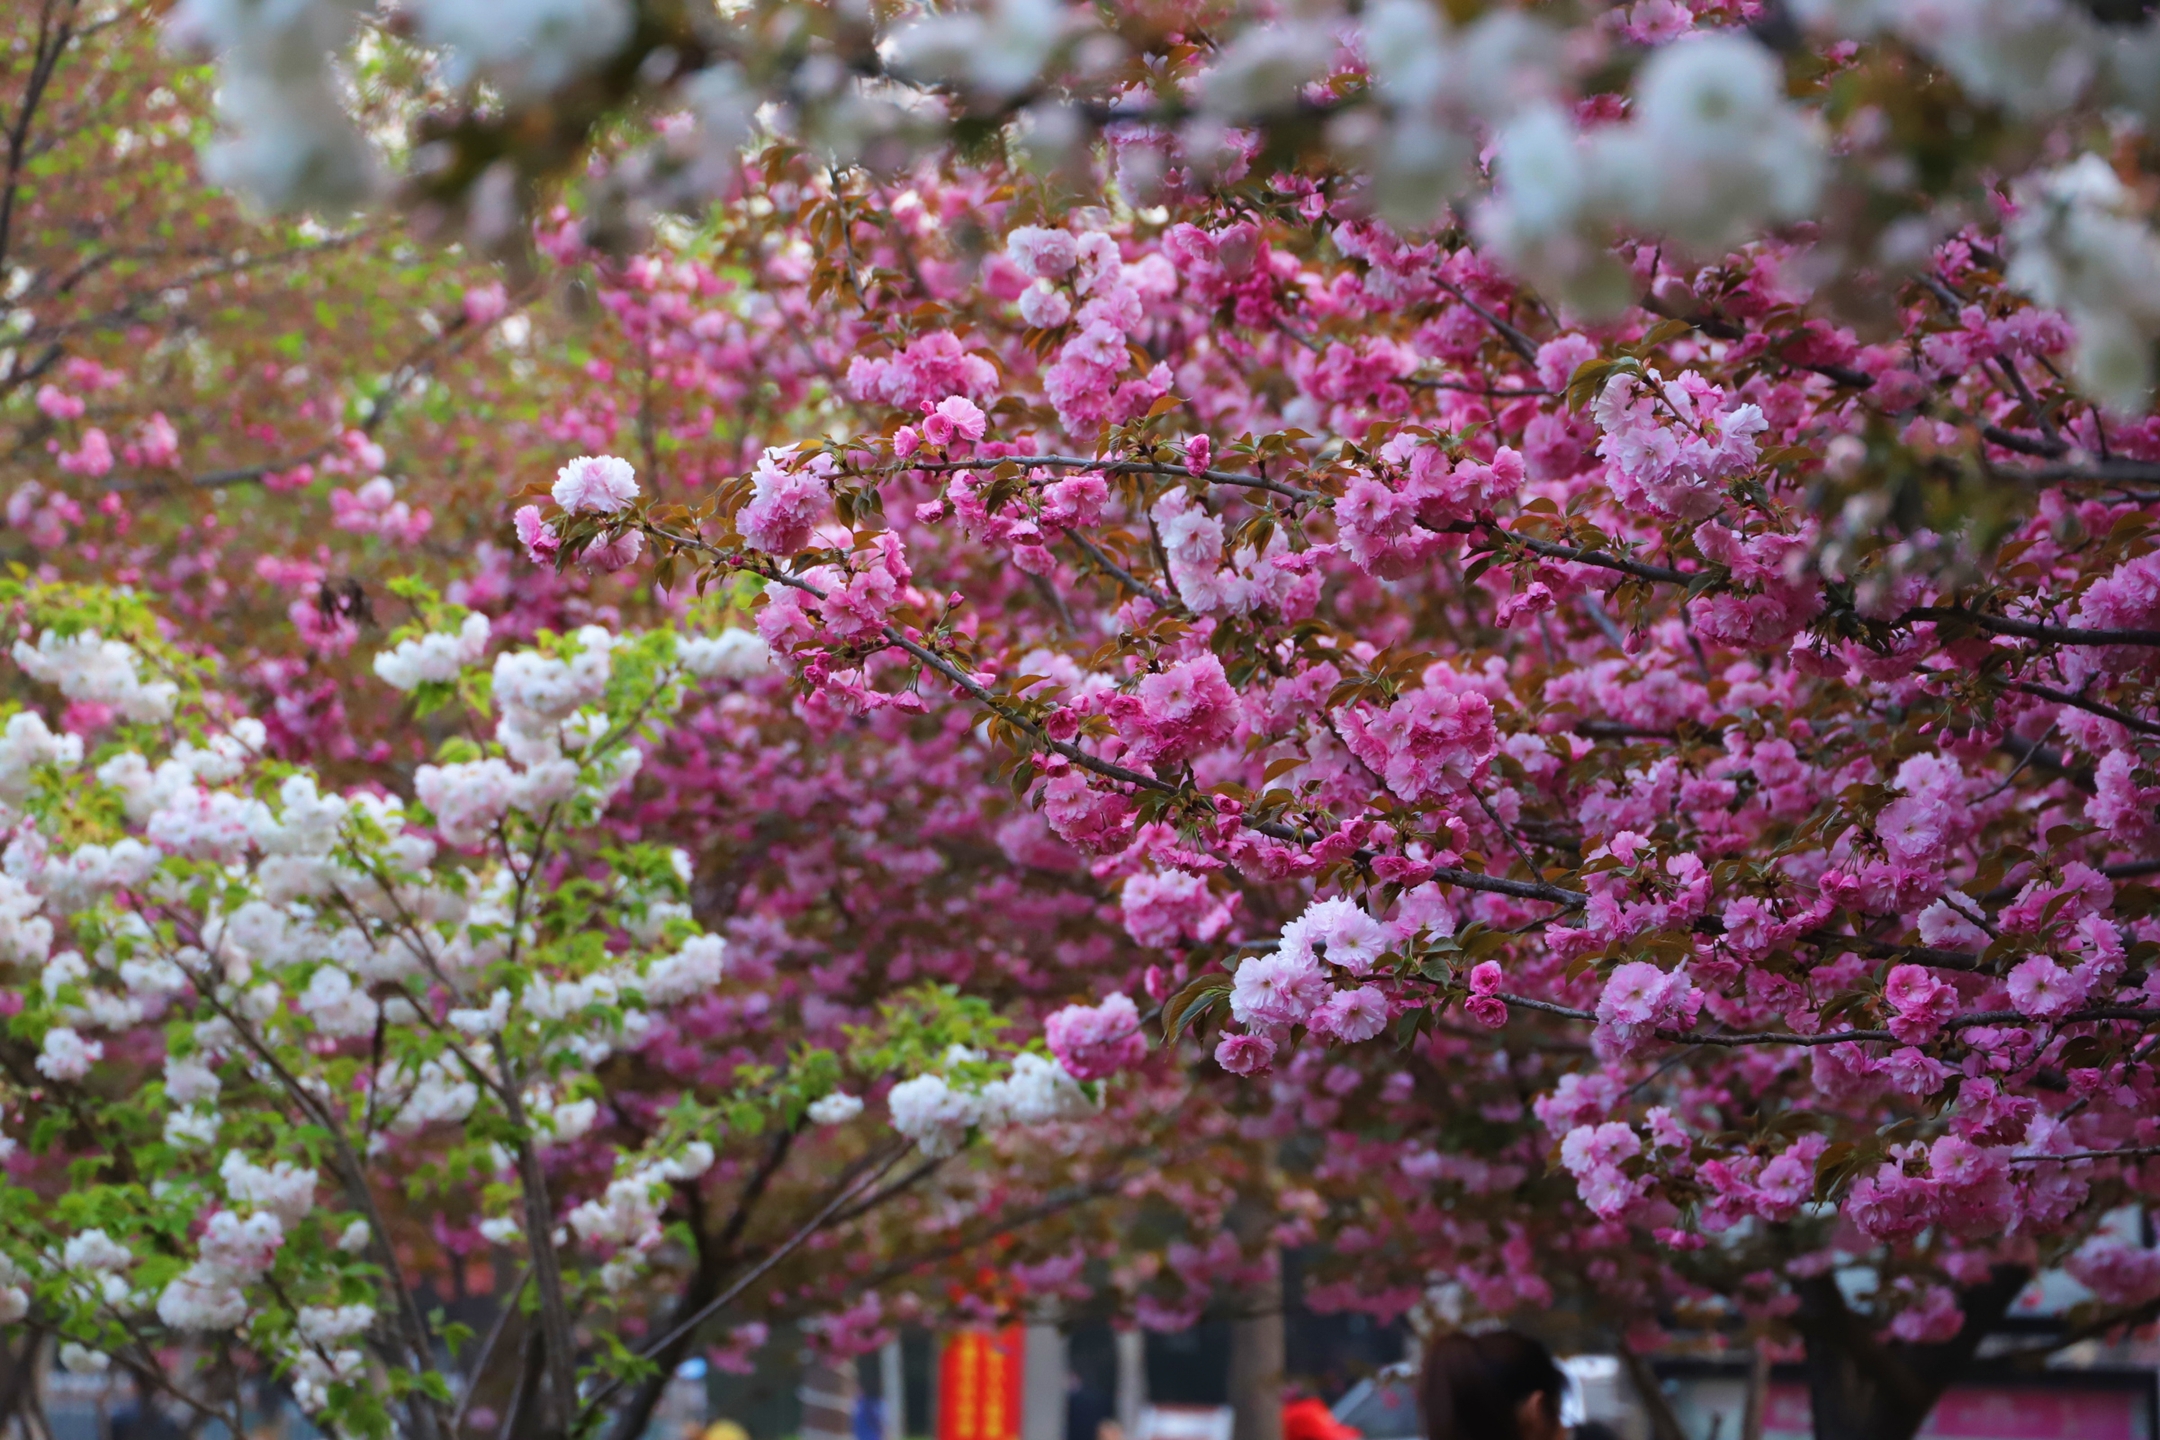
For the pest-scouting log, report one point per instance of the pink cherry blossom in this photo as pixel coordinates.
(2043, 989)
(955, 418)
(1920, 1003)
(58, 404)
(786, 503)
(1245, 1054)
(1427, 745)
(536, 535)
(1095, 1042)
(1352, 1016)
(1169, 908)
(1175, 713)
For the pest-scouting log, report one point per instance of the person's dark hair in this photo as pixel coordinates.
(1471, 1385)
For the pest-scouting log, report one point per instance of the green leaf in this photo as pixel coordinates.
(1195, 1000)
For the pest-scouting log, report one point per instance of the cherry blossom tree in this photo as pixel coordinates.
(1568, 588)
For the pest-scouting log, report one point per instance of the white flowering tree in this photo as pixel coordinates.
(259, 1028)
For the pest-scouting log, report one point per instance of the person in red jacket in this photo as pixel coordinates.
(1306, 1417)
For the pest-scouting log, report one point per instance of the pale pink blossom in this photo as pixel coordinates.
(1171, 907)
(1352, 1016)
(595, 485)
(787, 500)
(1277, 989)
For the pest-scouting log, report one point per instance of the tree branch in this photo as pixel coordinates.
(2030, 630)
(2092, 707)
(53, 37)
(1116, 467)
(772, 1257)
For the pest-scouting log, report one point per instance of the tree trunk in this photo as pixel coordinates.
(714, 1256)
(1043, 1384)
(18, 1374)
(1256, 1367)
(1863, 1387)
(1758, 1393)
(1131, 1380)
(520, 1419)
(1664, 1425)
(637, 1411)
(892, 1391)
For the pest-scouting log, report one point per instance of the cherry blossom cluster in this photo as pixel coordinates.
(1732, 125)
(1617, 798)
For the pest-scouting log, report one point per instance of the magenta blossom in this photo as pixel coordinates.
(537, 535)
(1245, 1054)
(1095, 1042)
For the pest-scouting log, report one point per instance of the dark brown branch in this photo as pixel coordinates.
(2092, 707)
(2128, 1152)
(2031, 630)
(53, 37)
(506, 1308)
(1490, 391)
(2089, 472)
(714, 1255)
(1520, 343)
(1123, 576)
(1547, 548)
(2043, 758)
(897, 1188)
(1599, 558)
(1055, 1203)
(2024, 445)
(1597, 729)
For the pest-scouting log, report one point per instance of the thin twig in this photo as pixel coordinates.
(1123, 576)
(2035, 748)
(487, 1350)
